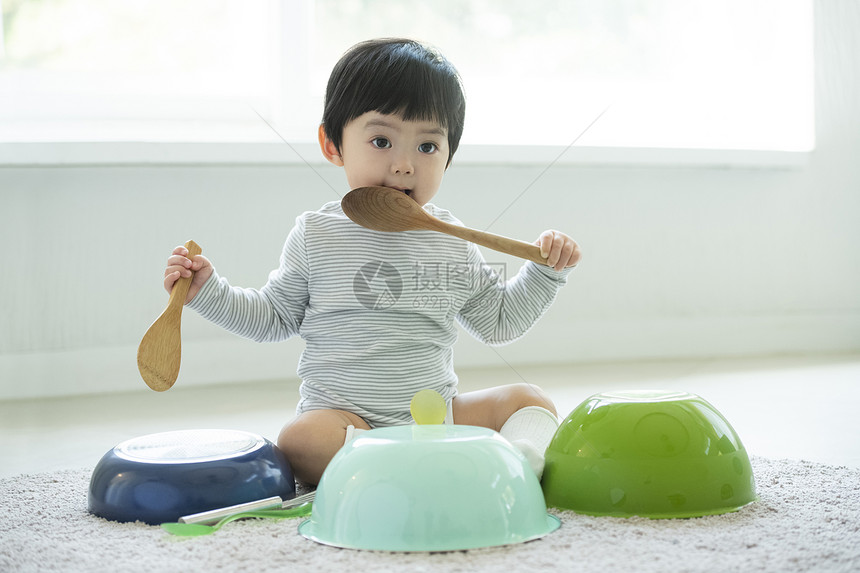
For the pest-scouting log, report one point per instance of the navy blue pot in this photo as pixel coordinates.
(161, 477)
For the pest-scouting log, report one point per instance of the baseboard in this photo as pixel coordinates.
(607, 340)
(229, 360)
(114, 369)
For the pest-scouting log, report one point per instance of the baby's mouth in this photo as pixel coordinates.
(408, 192)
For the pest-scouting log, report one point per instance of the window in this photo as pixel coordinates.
(677, 73)
(96, 70)
(697, 74)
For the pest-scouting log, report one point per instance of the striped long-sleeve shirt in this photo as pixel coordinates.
(377, 310)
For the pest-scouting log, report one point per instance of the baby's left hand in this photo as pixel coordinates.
(560, 250)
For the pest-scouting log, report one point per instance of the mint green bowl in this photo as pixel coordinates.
(654, 454)
(428, 488)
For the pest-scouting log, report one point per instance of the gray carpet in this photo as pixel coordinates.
(807, 519)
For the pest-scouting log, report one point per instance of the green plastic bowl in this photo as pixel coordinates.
(654, 454)
(428, 488)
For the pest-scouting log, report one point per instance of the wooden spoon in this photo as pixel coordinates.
(386, 209)
(160, 351)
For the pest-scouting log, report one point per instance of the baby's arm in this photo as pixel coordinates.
(179, 265)
(500, 312)
(561, 251)
(271, 313)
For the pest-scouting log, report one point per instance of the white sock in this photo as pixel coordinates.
(531, 430)
(351, 432)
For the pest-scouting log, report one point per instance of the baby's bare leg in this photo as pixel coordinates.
(491, 407)
(312, 439)
(521, 413)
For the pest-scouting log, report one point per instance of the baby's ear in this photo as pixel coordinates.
(329, 149)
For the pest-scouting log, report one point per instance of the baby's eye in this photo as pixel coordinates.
(427, 147)
(380, 143)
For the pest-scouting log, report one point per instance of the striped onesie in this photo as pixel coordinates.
(377, 310)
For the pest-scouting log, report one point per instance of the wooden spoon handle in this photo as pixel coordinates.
(498, 243)
(180, 287)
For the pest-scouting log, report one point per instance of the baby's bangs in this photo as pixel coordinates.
(420, 93)
(416, 105)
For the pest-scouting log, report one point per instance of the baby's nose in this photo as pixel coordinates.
(402, 165)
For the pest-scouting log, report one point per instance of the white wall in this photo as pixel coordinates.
(679, 261)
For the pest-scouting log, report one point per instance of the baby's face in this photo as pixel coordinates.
(385, 150)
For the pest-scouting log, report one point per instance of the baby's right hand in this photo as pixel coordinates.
(179, 265)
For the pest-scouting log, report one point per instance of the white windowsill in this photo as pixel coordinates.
(278, 153)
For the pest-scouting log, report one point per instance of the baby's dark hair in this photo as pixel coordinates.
(395, 76)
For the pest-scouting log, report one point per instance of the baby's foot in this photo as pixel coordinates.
(534, 457)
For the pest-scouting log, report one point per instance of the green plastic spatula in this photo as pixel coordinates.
(198, 529)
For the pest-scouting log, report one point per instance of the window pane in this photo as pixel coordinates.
(677, 73)
(124, 59)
